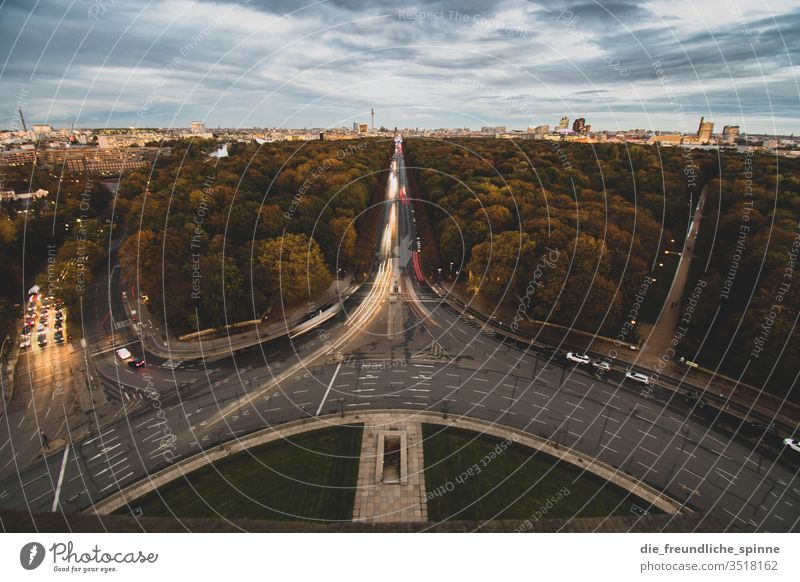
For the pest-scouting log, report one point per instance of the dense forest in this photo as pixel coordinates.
(747, 253)
(216, 241)
(601, 214)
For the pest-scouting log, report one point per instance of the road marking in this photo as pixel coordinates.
(105, 451)
(648, 451)
(722, 473)
(647, 434)
(648, 467)
(476, 404)
(330, 385)
(609, 448)
(734, 515)
(685, 451)
(60, 478)
(693, 473)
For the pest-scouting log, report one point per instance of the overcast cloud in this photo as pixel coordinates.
(435, 64)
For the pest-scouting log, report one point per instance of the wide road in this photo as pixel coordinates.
(397, 346)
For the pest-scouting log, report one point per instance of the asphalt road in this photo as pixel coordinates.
(397, 346)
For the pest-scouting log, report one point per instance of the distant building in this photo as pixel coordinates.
(668, 138)
(587, 129)
(539, 131)
(11, 195)
(730, 133)
(41, 131)
(579, 126)
(564, 123)
(363, 128)
(198, 127)
(704, 130)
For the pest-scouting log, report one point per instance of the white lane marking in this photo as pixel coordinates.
(330, 385)
(60, 478)
(105, 451)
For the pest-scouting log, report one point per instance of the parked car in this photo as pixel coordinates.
(637, 377)
(578, 358)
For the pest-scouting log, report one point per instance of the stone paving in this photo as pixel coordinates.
(378, 502)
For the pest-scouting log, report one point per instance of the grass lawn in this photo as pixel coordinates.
(309, 476)
(450, 452)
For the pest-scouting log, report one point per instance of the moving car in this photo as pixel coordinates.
(25, 342)
(579, 358)
(59, 337)
(42, 339)
(637, 377)
(603, 366)
(793, 444)
(136, 362)
(40, 327)
(124, 354)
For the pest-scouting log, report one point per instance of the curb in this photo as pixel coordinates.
(216, 453)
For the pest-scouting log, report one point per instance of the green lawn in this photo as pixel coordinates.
(453, 494)
(310, 476)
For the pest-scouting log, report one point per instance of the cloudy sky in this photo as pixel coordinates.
(619, 63)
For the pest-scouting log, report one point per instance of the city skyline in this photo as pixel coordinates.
(620, 66)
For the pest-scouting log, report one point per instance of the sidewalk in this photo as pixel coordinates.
(224, 341)
(709, 383)
(402, 496)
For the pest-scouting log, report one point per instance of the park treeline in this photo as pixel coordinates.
(569, 232)
(54, 241)
(501, 208)
(215, 241)
(744, 322)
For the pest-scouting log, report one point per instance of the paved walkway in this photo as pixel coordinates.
(381, 502)
(659, 339)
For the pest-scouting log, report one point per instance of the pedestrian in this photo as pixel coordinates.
(45, 440)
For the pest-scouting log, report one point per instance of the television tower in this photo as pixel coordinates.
(372, 114)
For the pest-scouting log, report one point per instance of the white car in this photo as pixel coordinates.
(124, 354)
(792, 444)
(578, 358)
(637, 377)
(604, 366)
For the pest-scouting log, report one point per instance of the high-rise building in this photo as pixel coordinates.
(198, 127)
(540, 131)
(730, 133)
(564, 123)
(579, 126)
(704, 130)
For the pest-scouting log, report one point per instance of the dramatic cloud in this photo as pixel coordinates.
(620, 64)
